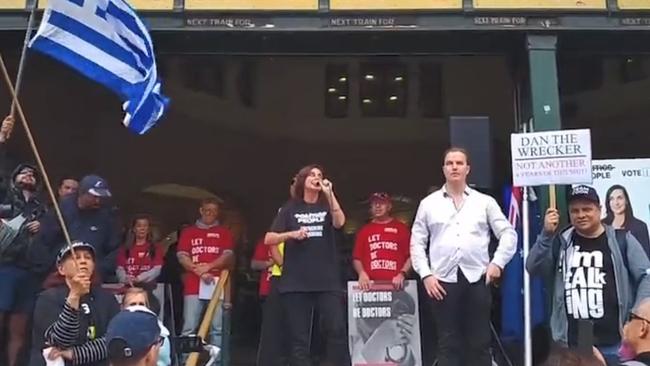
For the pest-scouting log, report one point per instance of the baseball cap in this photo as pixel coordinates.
(380, 196)
(94, 185)
(63, 253)
(583, 193)
(131, 334)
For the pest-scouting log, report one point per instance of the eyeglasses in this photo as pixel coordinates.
(633, 316)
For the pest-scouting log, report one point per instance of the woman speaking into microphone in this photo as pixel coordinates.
(310, 276)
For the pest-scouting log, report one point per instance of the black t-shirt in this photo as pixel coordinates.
(590, 289)
(312, 264)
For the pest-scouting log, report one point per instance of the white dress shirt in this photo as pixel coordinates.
(459, 237)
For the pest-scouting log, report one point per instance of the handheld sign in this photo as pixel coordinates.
(384, 325)
(551, 157)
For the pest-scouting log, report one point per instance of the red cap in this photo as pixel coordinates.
(380, 196)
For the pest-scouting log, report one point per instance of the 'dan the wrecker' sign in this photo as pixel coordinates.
(551, 157)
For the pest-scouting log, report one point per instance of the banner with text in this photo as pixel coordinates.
(384, 325)
(551, 157)
(622, 185)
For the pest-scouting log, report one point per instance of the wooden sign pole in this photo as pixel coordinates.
(204, 328)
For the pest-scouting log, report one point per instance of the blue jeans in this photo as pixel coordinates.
(610, 353)
(193, 310)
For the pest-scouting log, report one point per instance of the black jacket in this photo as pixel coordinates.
(14, 204)
(53, 321)
(95, 227)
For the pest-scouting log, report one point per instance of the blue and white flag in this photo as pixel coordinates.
(106, 41)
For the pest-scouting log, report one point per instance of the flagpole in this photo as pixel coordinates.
(39, 161)
(23, 56)
(525, 221)
(528, 344)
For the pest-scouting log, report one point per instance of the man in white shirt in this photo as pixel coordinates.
(455, 222)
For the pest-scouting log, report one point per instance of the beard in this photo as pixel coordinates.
(26, 186)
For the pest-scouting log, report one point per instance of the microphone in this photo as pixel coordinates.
(326, 183)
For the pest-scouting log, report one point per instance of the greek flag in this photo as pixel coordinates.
(107, 42)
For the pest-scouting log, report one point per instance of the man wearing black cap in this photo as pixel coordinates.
(599, 273)
(22, 208)
(70, 320)
(89, 219)
(133, 339)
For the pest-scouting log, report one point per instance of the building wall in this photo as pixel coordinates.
(247, 155)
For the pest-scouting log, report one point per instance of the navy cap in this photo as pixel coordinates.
(94, 185)
(78, 245)
(583, 193)
(131, 334)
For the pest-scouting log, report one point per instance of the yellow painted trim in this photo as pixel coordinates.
(251, 4)
(13, 4)
(152, 4)
(634, 4)
(394, 4)
(137, 4)
(541, 4)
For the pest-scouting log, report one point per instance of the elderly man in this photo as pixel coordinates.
(636, 334)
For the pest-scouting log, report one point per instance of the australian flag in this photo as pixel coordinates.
(512, 286)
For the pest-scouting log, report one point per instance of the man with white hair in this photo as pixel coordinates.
(636, 334)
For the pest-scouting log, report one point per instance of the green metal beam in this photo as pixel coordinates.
(542, 52)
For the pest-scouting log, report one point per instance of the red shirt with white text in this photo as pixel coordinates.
(203, 245)
(383, 249)
(139, 259)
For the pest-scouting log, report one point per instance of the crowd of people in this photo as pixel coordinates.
(53, 302)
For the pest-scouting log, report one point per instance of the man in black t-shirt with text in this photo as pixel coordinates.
(599, 274)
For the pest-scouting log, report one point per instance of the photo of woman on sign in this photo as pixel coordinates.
(620, 215)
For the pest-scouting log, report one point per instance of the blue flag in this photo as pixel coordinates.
(512, 285)
(106, 41)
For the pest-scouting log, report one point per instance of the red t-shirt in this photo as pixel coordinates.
(139, 259)
(263, 253)
(203, 246)
(382, 249)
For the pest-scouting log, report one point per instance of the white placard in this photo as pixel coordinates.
(207, 289)
(384, 325)
(551, 157)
